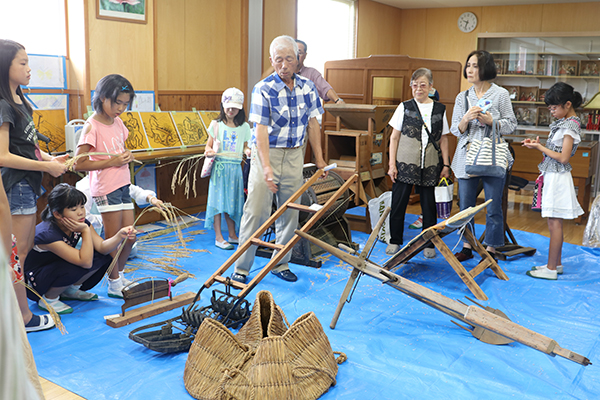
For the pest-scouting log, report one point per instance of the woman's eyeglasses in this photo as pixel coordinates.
(416, 86)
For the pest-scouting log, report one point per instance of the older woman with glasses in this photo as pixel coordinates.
(418, 156)
(469, 122)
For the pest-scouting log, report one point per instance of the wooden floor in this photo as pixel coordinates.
(55, 392)
(520, 218)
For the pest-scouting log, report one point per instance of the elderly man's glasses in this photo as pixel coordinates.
(421, 85)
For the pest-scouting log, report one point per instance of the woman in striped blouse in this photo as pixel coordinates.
(469, 123)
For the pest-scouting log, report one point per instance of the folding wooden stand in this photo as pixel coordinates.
(434, 235)
(282, 250)
(474, 316)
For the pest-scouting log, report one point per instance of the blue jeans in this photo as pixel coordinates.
(494, 221)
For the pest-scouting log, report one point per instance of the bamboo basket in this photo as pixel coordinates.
(274, 363)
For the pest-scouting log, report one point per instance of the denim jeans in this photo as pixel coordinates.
(22, 199)
(494, 221)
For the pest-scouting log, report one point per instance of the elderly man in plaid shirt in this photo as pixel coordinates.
(284, 108)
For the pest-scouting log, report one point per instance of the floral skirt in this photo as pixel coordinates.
(226, 190)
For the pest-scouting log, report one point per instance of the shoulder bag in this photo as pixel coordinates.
(209, 161)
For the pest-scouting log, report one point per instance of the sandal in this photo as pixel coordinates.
(39, 323)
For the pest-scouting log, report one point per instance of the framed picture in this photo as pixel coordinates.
(122, 10)
(526, 115)
(499, 66)
(567, 67)
(544, 117)
(528, 93)
(513, 92)
(589, 68)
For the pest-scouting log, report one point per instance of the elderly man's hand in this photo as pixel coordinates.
(268, 174)
(321, 164)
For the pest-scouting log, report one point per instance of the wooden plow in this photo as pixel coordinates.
(486, 324)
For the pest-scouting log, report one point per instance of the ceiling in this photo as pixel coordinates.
(469, 3)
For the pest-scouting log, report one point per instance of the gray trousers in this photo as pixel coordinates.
(287, 175)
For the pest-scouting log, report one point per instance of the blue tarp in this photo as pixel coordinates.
(397, 347)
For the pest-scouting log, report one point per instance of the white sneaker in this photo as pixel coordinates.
(543, 272)
(126, 282)
(429, 252)
(559, 269)
(74, 293)
(115, 288)
(56, 304)
(391, 249)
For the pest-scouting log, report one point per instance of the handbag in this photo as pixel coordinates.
(209, 161)
(444, 193)
(489, 156)
(536, 204)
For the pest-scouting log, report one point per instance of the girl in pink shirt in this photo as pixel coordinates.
(104, 132)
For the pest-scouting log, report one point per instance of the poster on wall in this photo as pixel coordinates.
(160, 130)
(51, 124)
(143, 101)
(190, 127)
(137, 139)
(47, 72)
(45, 101)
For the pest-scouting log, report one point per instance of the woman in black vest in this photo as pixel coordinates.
(418, 156)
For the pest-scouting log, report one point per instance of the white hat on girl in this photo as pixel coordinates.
(233, 98)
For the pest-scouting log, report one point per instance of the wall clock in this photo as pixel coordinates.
(467, 22)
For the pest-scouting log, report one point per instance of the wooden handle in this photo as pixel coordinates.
(180, 279)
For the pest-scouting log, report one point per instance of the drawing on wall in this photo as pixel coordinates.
(122, 10)
(47, 71)
(137, 138)
(160, 130)
(190, 127)
(50, 100)
(51, 123)
(143, 101)
(207, 117)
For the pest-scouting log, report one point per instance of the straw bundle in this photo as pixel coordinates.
(70, 163)
(264, 360)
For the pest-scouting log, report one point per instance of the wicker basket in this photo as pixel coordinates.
(264, 361)
(267, 320)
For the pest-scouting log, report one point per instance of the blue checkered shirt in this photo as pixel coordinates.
(285, 112)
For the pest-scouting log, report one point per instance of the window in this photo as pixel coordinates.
(39, 25)
(334, 16)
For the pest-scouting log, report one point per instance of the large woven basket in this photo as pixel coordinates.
(263, 361)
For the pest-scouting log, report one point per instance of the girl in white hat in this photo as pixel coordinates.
(226, 189)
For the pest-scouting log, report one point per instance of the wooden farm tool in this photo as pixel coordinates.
(471, 315)
(435, 234)
(149, 289)
(232, 310)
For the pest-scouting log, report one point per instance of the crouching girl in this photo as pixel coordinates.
(54, 267)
